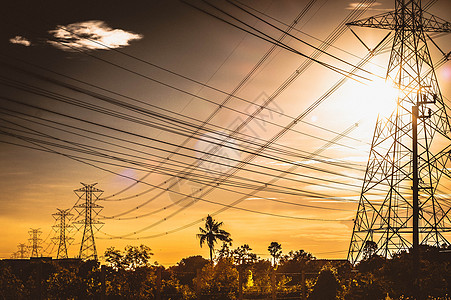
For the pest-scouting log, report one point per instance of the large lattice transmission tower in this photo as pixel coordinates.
(62, 228)
(88, 210)
(35, 241)
(402, 202)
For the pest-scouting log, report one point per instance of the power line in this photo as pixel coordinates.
(311, 107)
(82, 206)
(275, 42)
(305, 33)
(172, 144)
(232, 205)
(166, 118)
(292, 36)
(94, 153)
(127, 148)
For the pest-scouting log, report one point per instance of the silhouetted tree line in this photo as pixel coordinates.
(129, 274)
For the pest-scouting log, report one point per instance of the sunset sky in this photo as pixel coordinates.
(134, 95)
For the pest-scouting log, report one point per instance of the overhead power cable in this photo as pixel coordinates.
(204, 193)
(87, 149)
(294, 37)
(306, 34)
(275, 42)
(173, 72)
(197, 198)
(138, 109)
(370, 55)
(175, 172)
(131, 142)
(259, 153)
(237, 168)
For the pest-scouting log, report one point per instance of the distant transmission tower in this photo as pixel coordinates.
(22, 252)
(88, 210)
(62, 228)
(35, 241)
(402, 202)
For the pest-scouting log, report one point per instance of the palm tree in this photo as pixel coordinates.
(211, 234)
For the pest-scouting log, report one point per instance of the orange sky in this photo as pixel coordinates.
(188, 42)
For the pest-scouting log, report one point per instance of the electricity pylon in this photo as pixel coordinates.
(22, 252)
(88, 210)
(35, 241)
(62, 228)
(402, 203)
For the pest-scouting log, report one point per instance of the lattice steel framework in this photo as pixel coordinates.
(35, 241)
(22, 251)
(88, 209)
(62, 216)
(404, 168)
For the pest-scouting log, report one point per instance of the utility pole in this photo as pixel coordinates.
(62, 228)
(415, 206)
(35, 241)
(401, 205)
(88, 210)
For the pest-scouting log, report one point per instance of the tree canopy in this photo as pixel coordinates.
(275, 249)
(132, 258)
(212, 233)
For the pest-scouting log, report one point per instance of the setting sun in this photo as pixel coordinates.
(368, 101)
(382, 96)
(379, 97)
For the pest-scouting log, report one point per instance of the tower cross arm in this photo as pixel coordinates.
(381, 21)
(430, 22)
(433, 23)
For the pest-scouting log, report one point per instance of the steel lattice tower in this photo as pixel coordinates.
(35, 241)
(61, 228)
(401, 203)
(88, 210)
(22, 252)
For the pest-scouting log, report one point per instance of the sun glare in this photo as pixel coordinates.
(367, 102)
(377, 98)
(382, 97)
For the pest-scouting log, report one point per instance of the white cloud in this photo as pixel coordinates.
(20, 40)
(370, 6)
(90, 35)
